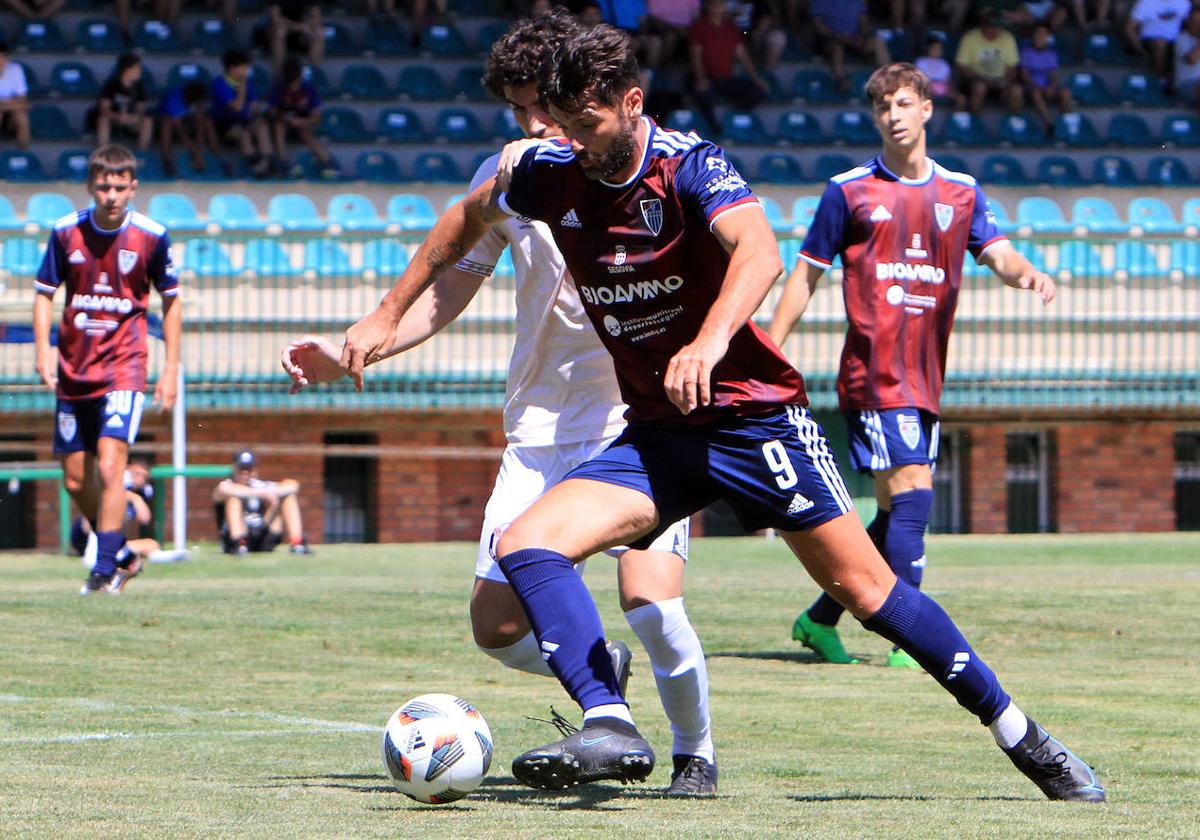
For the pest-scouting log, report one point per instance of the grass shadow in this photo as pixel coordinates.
(886, 797)
(806, 657)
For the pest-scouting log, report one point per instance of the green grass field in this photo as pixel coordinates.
(245, 699)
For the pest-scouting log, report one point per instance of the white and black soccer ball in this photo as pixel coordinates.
(437, 748)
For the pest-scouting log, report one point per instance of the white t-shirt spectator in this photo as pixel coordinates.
(12, 81)
(1160, 19)
(1187, 75)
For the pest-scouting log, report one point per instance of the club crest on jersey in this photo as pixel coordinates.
(619, 256)
(910, 429)
(126, 260)
(652, 212)
(943, 214)
(66, 426)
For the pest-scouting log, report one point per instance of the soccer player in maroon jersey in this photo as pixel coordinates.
(672, 254)
(107, 257)
(902, 225)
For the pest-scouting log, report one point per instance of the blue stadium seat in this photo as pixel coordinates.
(1136, 259)
(1098, 215)
(965, 129)
(388, 37)
(41, 35)
(266, 257)
(444, 40)
(1022, 130)
(1103, 48)
(99, 35)
(411, 211)
(739, 165)
(774, 86)
(36, 88)
(234, 211)
(354, 212)
(1127, 130)
(421, 83)
(1181, 129)
(338, 40)
(385, 256)
(1114, 171)
(327, 258)
(954, 163)
(490, 33)
(49, 122)
(206, 257)
(1076, 130)
(343, 125)
(293, 211)
(897, 43)
(156, 36)
(377, 167)
(774, 213)
(1190, 215)
(8, 215)
(1088, 89)
(814, 84)
(46, 208)
(1143, 89)
(23, 257)
(176, 211)
(1059, 171)
(214, 168)
(801, 128)
(1003, 171)
(454, 199)
(187, 71)
(855, 128)
(150, 85)
(467, 84)
(16, 165)
(1041, 214)
(743, 127)
(73, 78)
(797, 50)
(364, 81)
(1167, 171)
(1153, 215)
(73, 165)
(505, 126)
(1081, 259)
(803, 210)
(212, 37)
(858, 83)
(504, 266)
(401, 125)
(688, 119)
(830, 164)
(1185, 258)
(457, 125)
(1000, 214)
(149, 166)
(780, 168)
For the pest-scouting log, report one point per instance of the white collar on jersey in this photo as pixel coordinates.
(645, 155)
(124, 223)
(912, 182)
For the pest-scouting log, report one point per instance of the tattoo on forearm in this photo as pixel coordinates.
(442, 254)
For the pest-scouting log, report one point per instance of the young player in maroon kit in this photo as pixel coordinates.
(902, 225)
(107, 257)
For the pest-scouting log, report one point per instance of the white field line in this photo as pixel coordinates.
(85, 737)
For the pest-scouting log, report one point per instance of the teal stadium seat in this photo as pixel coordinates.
(1080, 259)
(316, 77)
(411, 211)
(176, 211)
(234, 211)
(743, 127)
(457, 125)
(149, 166)
(213, 169)
(384, 256)
(354, 212)
(477, 162)
(963, 128)
(830, 164)
(1153, 215)
(99, 35)
(156, 36)
(467, 85)
(1022, 130)
(1129, 130)
(1114, 171)
(1143, 89)
(421, 83)
(338, 40)
(1076, 130)
(800, 128)
(855, 128)
(212, 37)
(444, 41)
(388, 37)
(1168, 171)
(207, 257)
(436, 168)
(1098, 215)
(41, 35)
(1137, 260)
(1181, 129)
(1059, 171)
(294, 211)
(505, 269)
(505, 126)
(73, 78)
(327, 258)
(1191, 213)
(858, 82)
(49, 122)
(16, 165)
(377, 167)
(8, 215)
(23, 257)
(1103, 48)
(774, 214)
(46, 208)
(452, 200)
(1089, 89)
(490, 33)
(364, 81)
(401, 125)
(1000, 213)
(1185, 259)
(1003, 171)
(36, 88)
(688, 119)
(187, 71)
(780, 168)
(73, 165)
(803, 210)
(343, 125)
(1042, 215)
(267, 258)
(954, 163)
(814, 85)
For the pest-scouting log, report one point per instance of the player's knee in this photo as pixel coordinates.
(73, 481)
(514, 538)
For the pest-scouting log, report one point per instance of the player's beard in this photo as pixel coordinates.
(619, 153)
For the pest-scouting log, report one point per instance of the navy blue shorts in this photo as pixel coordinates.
(775, 470)
(80, 423)
(892, 437)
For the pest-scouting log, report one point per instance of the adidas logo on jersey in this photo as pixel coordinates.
(880, 214)
(800, 503)
(571, 220)
(76, 257)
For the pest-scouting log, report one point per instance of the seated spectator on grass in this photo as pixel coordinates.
(183, 117)
(716, 45)
(1187, 61)
(14, 99)
(1151, 30)
(256, 515)
(121, 107)
(841, 25)
(987, 63)
(295, 111)
(236, 113)
(1039, 75)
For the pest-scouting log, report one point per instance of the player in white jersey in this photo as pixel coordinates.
(561, 407)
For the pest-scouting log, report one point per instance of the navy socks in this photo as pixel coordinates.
(904, 543)
(108, 544)
(825, 610)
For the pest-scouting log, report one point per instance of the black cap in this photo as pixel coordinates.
(244, 459)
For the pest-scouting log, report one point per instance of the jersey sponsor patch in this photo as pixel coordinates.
(909, 426)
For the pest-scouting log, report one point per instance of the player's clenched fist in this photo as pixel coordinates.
(309, 360)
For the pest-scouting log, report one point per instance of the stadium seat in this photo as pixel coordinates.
(1143, 89)
(1190, 215)
(1000, 214)
(739, 165)
(16, 165)
(343, 125)
(1022, 130)
(965, 129)
(364, 81)
(41, 35)
(454, 199)
(401, 125)
(187, 71)
(1080, 259)
(234, 211)
(354, 212)
(1098, 215)
(1181, 129)
(175, 210)
(206, 257)
(774, 213)
(814, 84)
(385, 256)
(775, 92)
(1059, 171)
(803, 210)
(388, 37)
(490, 33)
(156, 36)
(858, 83)
(743, 127)
(897, 43)
(830, 164)
(800, 128)
(1167, 171)
(1103, 48)
(23, 257)
(338, 40)
(954, 163)
(1185, 258)
(1088, 89)
(1137, 260)
(212, 37)
(73, 78)
(1153, 215)
(476, 163)
(467, 85)
(1127, 130)
(214, 168)
(421, 83)
(797, 50)
(780, 168)
(149, 166)
(8, 215)
(266, 257)
(504, 266)
(36, 88)
(327, 258)
(444, 40)
(293, 211)
(1076, 130)
(457, 125)
(377, 167)
(99, 35)
(505, 127)
(411, 211)
(1003, 171)
(854, 128)
(1114, 171)
(46, 208)
(1042, 215)
(73, 165)
(687, 119)
(49, 122)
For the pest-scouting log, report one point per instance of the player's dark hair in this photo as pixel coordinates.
(598, 64)
(111, 160)
(891, 77)
(234, 58)
(126, 60)
(516, 56)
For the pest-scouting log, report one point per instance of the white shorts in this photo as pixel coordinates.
(526, 472)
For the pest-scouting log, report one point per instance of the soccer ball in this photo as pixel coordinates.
(437, 748)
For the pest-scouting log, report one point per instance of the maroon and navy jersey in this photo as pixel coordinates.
(902, 243)
(107, 276)
(648, 267)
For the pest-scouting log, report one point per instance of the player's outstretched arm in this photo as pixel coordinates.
(1017, 271)
(167, 388)
(797, 293)
(754, 266)
(47, 358)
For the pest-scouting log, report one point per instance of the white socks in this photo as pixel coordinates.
(524, 655)
(677, 660)
(1010, 727)
(609, 710)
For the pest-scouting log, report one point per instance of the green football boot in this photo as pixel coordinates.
(898, 658)
(821, 638)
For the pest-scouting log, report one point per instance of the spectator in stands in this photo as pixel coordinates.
(183, 116)
(1039, 75)
(293, 26)
(1151, 29)
(164, 10)
(934, 65)
(121, 106)
(34, 8)
(669, 21)
(1187, 61)
(1053, 13)
(841, 25)
(1100, 9)
(987, 63)
(236, 115)
(716, 44)
(14, 99)
(294, 114)
(768, 40)
(255, 515)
